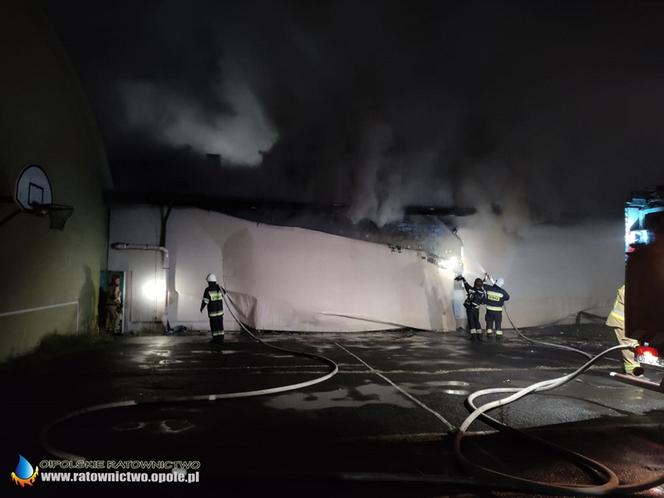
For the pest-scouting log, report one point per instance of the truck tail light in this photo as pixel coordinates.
(648, 355)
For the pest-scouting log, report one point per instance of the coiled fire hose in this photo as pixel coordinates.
(610, 483)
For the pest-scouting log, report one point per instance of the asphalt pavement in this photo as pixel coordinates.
(382, 426)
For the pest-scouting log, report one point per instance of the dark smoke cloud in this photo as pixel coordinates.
(545, 111)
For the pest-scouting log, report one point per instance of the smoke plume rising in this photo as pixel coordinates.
(543, 115)
(240, 136)
(547, 108)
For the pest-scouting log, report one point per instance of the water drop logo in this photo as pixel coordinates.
(24, 473)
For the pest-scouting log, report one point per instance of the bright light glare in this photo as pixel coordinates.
(154, 289)
(638, 237)
(449, 263)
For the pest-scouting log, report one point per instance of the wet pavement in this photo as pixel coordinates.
(387, 412)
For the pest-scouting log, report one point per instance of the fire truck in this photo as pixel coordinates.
(644, 279)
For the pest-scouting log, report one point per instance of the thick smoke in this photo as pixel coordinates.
(542, 115)
(240, 135)
(548, 109)
(385, 182)
(551, 271)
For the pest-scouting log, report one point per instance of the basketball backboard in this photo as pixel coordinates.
(33, 188)
(34, 195)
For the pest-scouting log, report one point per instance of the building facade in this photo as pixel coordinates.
(51, 277)
(280, 278)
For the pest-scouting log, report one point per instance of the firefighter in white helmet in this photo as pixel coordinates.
(213, 299)
(616, 320)
(495, 298)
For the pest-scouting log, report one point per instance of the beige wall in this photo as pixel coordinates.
(550, 272)
(45, 120)
(282, 278)
(295, 279)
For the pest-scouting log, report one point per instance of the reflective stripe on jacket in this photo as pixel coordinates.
(495, 297)
(213, 298)
(617, 316)
(474, 295)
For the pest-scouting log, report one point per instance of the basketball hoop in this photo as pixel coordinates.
(58, 214)
(34, 195)
(33, 187)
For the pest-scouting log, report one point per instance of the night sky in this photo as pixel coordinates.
(553, 110)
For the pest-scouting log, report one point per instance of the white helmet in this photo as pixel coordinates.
(500, 282)
(211, 278)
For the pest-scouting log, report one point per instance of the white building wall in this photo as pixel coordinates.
(550, 272)
(281, 278)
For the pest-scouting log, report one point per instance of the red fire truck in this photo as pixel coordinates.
(644, 278)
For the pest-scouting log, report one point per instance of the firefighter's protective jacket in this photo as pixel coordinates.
(495, 297)
(616, 318)
(474, 296)
(113, 295)
(213, 299)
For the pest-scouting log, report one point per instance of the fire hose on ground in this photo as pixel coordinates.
(609, 482)
(333, 369)
(543, 343)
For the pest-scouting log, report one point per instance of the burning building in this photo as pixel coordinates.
(282, 277)
(311, 269)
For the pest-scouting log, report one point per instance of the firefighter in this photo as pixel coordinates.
(113, 306)
(495, 298)
(475, 297)
(616, 320)
(213, 299)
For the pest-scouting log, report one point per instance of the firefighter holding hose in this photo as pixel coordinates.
(213, 299)
(495, 298)
(475, 296)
